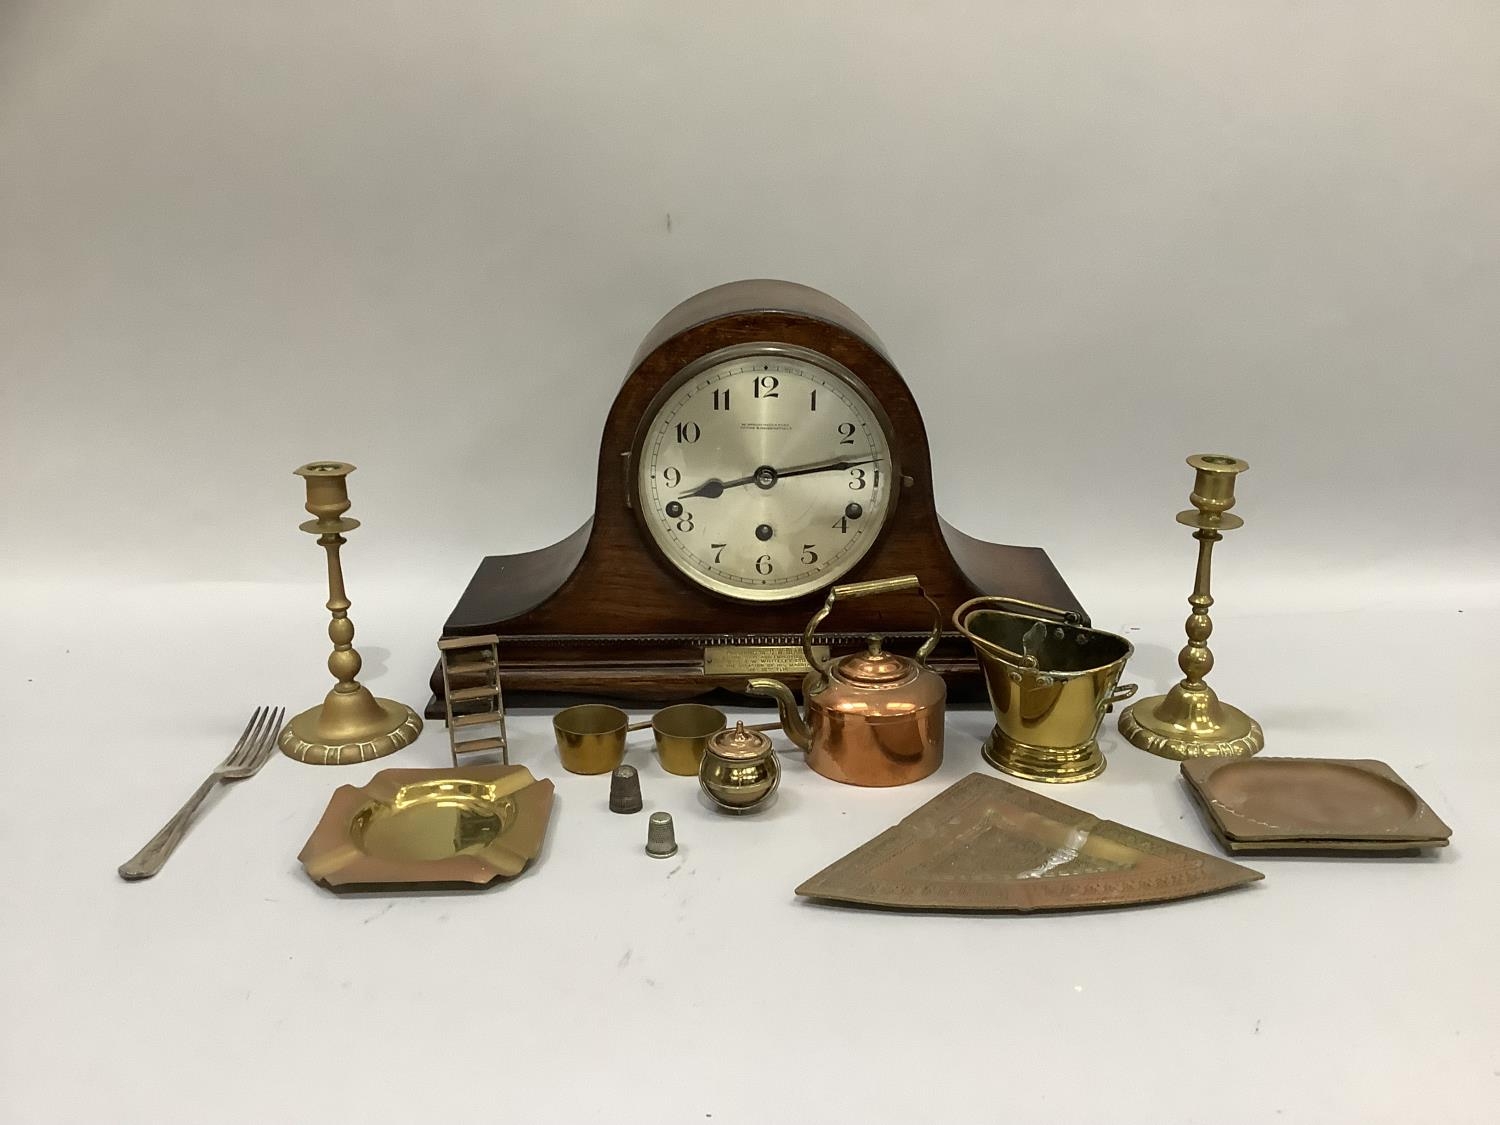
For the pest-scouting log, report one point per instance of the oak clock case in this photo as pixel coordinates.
(632, 607)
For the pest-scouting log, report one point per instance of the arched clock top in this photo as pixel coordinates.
(759, 294)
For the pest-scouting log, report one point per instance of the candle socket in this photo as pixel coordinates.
(350, 725)
(1191, 721)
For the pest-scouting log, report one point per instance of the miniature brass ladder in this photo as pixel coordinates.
(471, 694)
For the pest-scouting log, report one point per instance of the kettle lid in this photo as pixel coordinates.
(875, 667)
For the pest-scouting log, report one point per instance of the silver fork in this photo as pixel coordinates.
(249, 754)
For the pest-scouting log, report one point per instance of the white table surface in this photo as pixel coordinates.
(605, 986)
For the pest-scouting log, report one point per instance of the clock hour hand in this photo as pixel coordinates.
(713, 488)
(765, 476)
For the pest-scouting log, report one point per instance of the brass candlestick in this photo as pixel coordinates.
(350, 725)
(1190, 721)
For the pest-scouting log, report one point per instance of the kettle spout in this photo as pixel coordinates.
(786, 703)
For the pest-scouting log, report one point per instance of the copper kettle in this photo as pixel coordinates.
(873, 718)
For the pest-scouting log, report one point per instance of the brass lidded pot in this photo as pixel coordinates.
(739, 770)
(874, 718)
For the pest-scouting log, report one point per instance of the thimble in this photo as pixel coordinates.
(625, 790)
(661, 838)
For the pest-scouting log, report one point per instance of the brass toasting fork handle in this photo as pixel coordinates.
(249, 754)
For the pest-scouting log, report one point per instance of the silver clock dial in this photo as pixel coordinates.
(765, 474)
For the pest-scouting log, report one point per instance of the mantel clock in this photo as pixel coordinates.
(762, 448)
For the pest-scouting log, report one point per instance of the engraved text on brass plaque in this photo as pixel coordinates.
(757, 660)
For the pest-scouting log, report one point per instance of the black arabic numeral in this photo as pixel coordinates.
(814, 399)
(721, 403)
(846, 433)
(763, 565)
(859, 479)
(688, 432)
(718, 550)
(686, 522)
(765, 386)
(672, 476)
(809, 556)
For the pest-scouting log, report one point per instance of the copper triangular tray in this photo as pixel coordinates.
(986, 845)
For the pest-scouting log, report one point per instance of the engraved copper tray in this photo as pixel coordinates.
(1312, 804)
(430, 828)
(986, 845)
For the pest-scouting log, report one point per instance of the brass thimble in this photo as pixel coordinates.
(625, 790)
(661, 837)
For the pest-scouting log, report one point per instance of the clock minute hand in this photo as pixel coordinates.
(824, 467)
(713, 488)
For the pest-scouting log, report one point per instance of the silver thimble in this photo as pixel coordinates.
(625, 790)
(661, 838)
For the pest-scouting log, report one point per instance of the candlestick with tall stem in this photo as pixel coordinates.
(1190, 721)
(350, 725)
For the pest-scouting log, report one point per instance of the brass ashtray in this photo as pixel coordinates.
(1311, 804)
(430, 828)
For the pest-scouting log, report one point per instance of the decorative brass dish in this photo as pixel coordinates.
(1312, 804)
(430, 827)
(986, 845)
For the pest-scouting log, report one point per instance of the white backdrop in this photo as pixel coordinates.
(426, 238)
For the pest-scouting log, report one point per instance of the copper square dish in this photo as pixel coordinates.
(453, 827)
(1325, 847)
(1312, 804)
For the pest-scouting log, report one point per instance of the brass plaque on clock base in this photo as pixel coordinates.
(739, 660)
(762, 448)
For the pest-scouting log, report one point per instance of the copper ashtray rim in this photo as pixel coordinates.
(334, 857)
(1421, 828)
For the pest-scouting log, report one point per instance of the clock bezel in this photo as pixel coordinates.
(637, 500)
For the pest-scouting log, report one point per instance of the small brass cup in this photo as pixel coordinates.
(591, 737)
(682, 732)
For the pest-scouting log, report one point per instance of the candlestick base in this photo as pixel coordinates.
(1190, 721)
(350, 726)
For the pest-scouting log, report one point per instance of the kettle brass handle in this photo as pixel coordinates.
(864, 590)
(875, 586)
